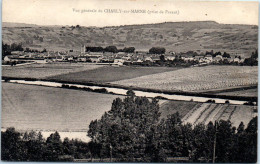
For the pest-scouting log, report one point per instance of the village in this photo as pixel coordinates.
(144, 58)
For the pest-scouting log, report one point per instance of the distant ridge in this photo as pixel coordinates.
(197, 36)
(11, 24)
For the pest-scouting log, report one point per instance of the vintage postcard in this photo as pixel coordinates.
(129, 81)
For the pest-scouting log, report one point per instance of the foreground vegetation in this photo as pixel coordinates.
(132, 131)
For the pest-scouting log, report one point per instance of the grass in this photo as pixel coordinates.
(45, 70)
(110, 73)
(197, 79)
(28, 107)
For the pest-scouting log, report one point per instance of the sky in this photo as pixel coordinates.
(98, 12)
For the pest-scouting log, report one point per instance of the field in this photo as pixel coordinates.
(110, 73)
(28, 107)
(45, 70)
(197, 78)
(194, 113)
(246, 93)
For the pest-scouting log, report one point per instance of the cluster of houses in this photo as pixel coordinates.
(207, 59)
(120, 58)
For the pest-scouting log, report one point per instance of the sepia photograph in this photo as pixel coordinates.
(129, 81)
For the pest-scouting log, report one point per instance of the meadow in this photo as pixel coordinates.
(45, 70)
(110, 73)
(197, 79)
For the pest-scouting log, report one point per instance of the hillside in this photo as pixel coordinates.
(174, 36)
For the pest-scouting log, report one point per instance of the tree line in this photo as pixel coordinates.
(7, 49)
(133, 131)
(32, 146)
(112, 49)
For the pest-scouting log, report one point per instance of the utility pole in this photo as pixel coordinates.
(110, 146)
(215, 142)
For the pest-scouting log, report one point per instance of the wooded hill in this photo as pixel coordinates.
(198, 36)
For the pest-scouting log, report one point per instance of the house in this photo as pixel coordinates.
(217, 59)
(172, 52)
(219, 56)
(148, 59)
(155, 58)
(208, 57)
(139, 61)
(17, 52)
(94, 59)
(238, 60)
(199, 58)
(171, 58)
(82, 59)
(120, 54)
(7, 58)
(70, 58)
(118, 60)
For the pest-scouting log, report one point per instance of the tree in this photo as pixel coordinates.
(53, 147)
(251, 144)
(11, 146)
(130, 93)
(226, 55)
(224, 141)
(162, 58)
(255, 54)
(199, 142)
(157, 50)
(94, 49)
(44, 50)
(174, 136)
(125, 127)
(129, 49)
(112, 49)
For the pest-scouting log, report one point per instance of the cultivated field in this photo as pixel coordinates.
(27, 107)
(110, 73)
(246, 93)
(197, 78)
(194, 113)
(45, 70)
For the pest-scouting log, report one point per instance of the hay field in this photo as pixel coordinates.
(45, 70)
(197, 78)
(28, 107)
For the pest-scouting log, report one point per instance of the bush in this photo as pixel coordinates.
(101, 90)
